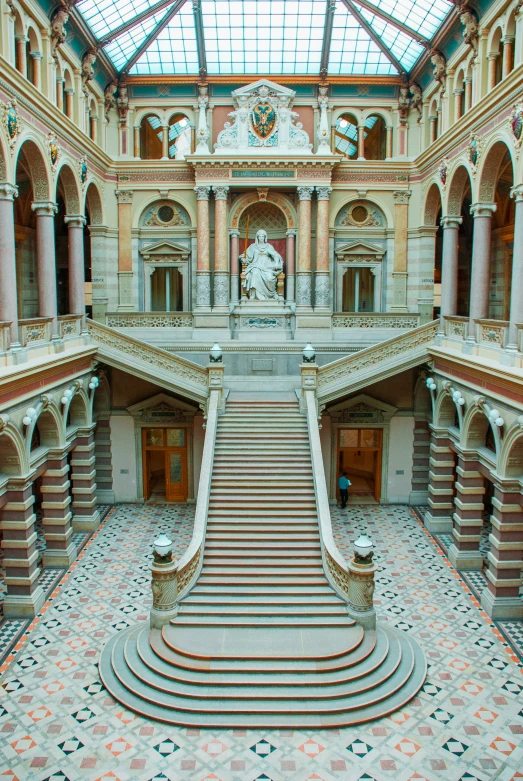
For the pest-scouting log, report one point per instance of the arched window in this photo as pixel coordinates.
(347, 136)
(153, 145)
(179, 137)
(151, 135)
(375, 134)
(495, 58)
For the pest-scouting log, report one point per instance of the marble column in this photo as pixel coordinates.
(45, 261)
(37, 68)
(165, 142)
(83, 479)
(291, 266)
(60, 93)
(203, 264)
(468, 93)
(438, 518)
(125, 254)
(361, 142)
(458, 104)
(516, 288)
(8, 295)
(449, 268)
(492, 68)
(508, 54)
(60, 550)
(501, 599)
(235, 266)
(69, 102)
(464, 550)
(21, 60)
(136, 141)
(401, 232)
(388, 143)
(93, 127)
(321, 281)
(480, 273)
(24, 597)
(221, 254)
(433, 128)
(75, 225)
(303, 281)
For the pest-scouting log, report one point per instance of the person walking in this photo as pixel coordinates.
(343, 484)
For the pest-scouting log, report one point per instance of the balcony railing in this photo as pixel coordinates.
(149, 319)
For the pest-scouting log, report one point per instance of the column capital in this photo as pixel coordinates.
(401, 196)
(451, 222)
(291, 232)
(234, 234)
(508, 39)
(75, 220)
(516, 192)
(21, 39)
(202, 192)
(323, 192)
(44, 208)
(124, 196)
(493, 56)
(483, 209)
(8, 191)
(305, 193)
(36, 55)
(221, 191)
(69, 91)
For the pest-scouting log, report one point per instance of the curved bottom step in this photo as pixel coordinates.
(148, 689)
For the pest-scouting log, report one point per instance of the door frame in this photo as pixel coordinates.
(166, 451)
(378, 466)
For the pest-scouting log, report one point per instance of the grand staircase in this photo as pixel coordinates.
(262, 640)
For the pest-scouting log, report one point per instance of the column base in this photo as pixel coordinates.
(501, 607)
(366, 619)
(418, 497)
(438, 525)
(24, 605)
(158, 618)
(460, 559)
(59, 558)
(86, 523)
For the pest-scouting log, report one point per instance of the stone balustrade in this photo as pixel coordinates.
(375, 320)
(35, 329)
(149, 319)
(69, 326)
(5, 336)
(492, 332)
(455, 327)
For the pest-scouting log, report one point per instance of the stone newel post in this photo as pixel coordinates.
(361, 589)
(164, 584)
(322, 248)
(203, 265)
(8, 297)
(303, 281)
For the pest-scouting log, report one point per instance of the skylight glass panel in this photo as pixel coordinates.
(106, 15)
(123, 47)
(423, 16)
(263, 36)
(174, 50)
(353, 51)
(404, 48)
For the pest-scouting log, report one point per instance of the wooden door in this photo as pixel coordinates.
(176, 475)
(360, 455)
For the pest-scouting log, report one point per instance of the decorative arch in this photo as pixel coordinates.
(50, 427)
(180, 200)
(372, 202)
(37, 168)
(495, 37)
(13, 461)
(422, 406)
(433, 204)
(379, 112)
(93, 201)
(459, 182)
(147, 112)
(101, 398)
(475, 425)
(444, 410)
(278, 199)
(490, 169)
(151, 216)
(510, 461)
(77, 412)
(67, 179)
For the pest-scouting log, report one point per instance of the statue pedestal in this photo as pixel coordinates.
(262, 321)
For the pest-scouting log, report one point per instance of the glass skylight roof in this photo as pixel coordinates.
(264, 36)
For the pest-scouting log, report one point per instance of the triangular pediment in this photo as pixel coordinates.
(359, 248)
(163, 247)
(362, 409)
(161, 407)
(248, 89)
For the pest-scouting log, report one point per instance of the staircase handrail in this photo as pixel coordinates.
(334, 565)
(190, 377)
(189, 566)
(334, 375)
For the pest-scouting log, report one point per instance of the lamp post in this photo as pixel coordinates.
(361, 586)
(163, 584)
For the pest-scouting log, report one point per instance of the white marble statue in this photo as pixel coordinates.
(263, 266)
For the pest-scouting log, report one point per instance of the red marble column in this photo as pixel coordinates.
(438, 519)
(505, 559)
(449, 270)
(221, 249)
(8, 297)
(45, 259)
(83, 479)
(480, 273)
(303, 280)
(464, 551)
(60, 550)
(203, 263)
(24, 597)
(75, 224)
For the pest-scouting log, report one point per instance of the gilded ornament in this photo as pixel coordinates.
(54, 150)
(443, 172)
(263, 120)
(516, 124)
(82, 166)
(12, 121)
(474, 152)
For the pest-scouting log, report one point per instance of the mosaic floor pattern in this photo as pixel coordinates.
(57, 721)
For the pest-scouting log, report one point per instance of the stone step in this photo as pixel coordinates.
(263, 561)
(289, 610)
(247, 514)
(261, 545)
(287, 591)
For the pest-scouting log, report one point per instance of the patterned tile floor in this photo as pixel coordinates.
(57, 721)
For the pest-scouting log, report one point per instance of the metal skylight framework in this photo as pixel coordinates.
(266, 37)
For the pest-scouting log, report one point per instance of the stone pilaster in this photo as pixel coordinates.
(83, 479)
(125, 255)
(303, 277)
(438, 519)
(401, 228)
(104, 463)
(203, 264)
(24, 597)
(464, 551)
(321, 281)
(221, 254)
(505, 559)
(421, 463)
(60, 550)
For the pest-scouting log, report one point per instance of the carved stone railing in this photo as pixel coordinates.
(5, 332)
(149, 319)
(375, 320)
(379, 361)
(491, 332)
(456, 327)
(69, 326)
(34, 329)
(167, 369)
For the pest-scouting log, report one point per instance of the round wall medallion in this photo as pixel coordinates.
(165, 213)
(359, 214)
